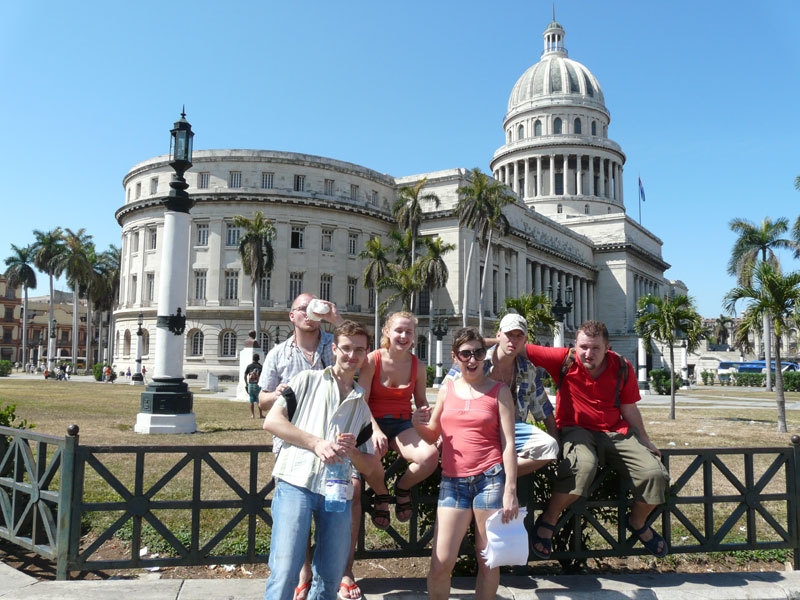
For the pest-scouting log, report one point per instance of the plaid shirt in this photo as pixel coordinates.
(530, 394)
(286, 360)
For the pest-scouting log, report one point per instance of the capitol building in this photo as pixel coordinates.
(569, 229)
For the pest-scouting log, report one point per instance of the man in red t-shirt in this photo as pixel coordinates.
(599, 423)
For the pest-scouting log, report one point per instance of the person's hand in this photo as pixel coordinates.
(332, 316)
(381, 442)
(421, 416)
(346, 444)
(510, 507)
(652, 447)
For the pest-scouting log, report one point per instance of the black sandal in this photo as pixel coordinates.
(545, 543)
(407, 507)
(653, 543)
(381, 513)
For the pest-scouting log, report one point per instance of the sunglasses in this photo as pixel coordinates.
(478, 354)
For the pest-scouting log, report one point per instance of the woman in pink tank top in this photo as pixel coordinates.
(475, 417)
(391, 377)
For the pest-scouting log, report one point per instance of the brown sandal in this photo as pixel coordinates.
(405, 508)
(381, 514)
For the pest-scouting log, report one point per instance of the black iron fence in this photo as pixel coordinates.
(212, 505)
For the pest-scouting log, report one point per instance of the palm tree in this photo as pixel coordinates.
(775, 298)
(536, 310)
(105, 293)
(479, 208)
(47, 248)
(76, 264)
(721, 331)
(21, 272)
(376, 270)
(407, 211)
(405, 281)
(401, 246)
(432, 270)
(666, 320)
(258, 257)
(754, 243)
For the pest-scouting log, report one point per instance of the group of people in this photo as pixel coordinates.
(323, 393)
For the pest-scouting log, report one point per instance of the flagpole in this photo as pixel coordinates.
(640, 199)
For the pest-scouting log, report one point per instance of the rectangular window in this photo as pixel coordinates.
(352, 290)
(134, 285)
(295, 284)
(352, 244)
(138, 190)
(298, 232)
(267, 180)
(327, 240)
(232, 234)
(374, 198)
(202, 234)
(199, 285)
(354, 193)
(135, 241)
(325, 285)
(266, 288)
(152, 238)
(153, 186)
(203, 180)
(235, 179)
(299, 183)
(329, 187)
(231, 285)
(151, 286)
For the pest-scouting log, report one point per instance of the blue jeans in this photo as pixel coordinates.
(480, 492)
(292, 510)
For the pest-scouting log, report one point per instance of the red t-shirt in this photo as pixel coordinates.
(584, 401)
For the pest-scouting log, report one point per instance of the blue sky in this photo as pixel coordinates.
(703, 98)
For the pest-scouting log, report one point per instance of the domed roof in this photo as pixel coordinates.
(556, 76)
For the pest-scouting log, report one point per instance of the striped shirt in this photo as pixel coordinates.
(320, 412)
(286, 360)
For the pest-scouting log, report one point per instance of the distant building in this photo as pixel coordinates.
(569, 229)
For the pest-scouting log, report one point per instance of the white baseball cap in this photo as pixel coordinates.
(511, 322)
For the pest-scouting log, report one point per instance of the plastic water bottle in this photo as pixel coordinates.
(337, 477)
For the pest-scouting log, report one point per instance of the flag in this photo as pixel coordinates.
(641, 190)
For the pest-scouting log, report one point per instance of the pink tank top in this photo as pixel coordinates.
(391, 401)
(470, 433)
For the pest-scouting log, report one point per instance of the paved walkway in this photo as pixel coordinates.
(719, 586)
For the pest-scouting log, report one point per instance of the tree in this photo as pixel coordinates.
(432, 270)
(47, 248)
(721, 329)
(376, 270)
(258, 258)
(775, 298)
(536, 310)
(753, 244)
(21, 272)
(401, 247)
(105, 292)
(75, 263)
(405, 281)
(480, 208)
(667, 320)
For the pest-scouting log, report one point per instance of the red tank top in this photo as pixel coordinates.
(391, 401)
(470, 433)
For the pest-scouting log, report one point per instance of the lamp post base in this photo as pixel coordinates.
(166, 407)
(150, 423)
(137, 379)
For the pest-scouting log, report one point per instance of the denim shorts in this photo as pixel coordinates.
(392, 427)
(482, 492)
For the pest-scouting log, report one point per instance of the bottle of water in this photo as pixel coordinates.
(337, 476)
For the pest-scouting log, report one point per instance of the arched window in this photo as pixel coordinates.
(263, 341)
(145, 342)
(508, 137)
(537, 128)
(422, 347)
(116, 342)
(560, 209)
(586, 209)
(228, 344)
(577, 126)
(594, 127)
(521, 132)
(196, 343)
(557, 126)
(126, 346)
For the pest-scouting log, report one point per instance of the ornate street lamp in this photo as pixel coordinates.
(560, 310)
(137, 378)
(166, 404)
(439, 330)
(51, 347)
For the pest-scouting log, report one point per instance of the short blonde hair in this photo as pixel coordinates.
(401, 314)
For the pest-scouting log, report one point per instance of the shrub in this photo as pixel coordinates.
(791, 381)
(430, 375)
(5, 368)
(749, 379)
(660, 379)
(708, 377)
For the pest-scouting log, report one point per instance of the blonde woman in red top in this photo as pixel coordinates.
(391, 377)
(475, 417)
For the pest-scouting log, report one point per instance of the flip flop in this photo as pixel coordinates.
(350, 590)
(651, 544)
(301, 591)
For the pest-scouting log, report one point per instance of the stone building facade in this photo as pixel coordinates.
(569, 228)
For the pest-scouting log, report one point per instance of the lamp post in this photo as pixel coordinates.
(166, 404)
(137, 378)
(439, 330)
(559, 310)
(684, 362)
(51, 346)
